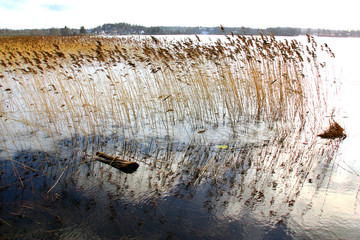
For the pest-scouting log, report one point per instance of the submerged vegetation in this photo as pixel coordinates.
(245, 108)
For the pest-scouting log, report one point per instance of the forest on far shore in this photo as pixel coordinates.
(129, 29)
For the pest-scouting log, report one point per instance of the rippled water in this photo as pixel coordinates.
(335, 209)
(262, 186)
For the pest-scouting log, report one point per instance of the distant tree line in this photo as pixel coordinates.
(66, 31)
(127, 29)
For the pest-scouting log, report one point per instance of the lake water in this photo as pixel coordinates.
(259, 187)
(335, 208)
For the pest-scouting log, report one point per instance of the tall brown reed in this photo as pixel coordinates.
(70, 86)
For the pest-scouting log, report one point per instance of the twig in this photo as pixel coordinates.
(5, 222)
(154, 201)
(10, 159)
(204, 169)
(58, 179)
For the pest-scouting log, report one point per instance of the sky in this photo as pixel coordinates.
(327, 14)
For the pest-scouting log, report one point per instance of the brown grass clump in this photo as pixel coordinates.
(334, 131)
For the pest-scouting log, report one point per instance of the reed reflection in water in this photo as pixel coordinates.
(180, 189)
(225, 134)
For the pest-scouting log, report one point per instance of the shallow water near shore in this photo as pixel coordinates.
(228, 182)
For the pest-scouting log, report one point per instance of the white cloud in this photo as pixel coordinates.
(55, 7)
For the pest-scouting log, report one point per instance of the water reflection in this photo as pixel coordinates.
(180, 191)
(263, 185)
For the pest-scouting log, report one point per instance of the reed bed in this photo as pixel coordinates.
(215, 125)
(54, 88)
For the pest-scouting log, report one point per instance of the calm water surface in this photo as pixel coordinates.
(259, 187)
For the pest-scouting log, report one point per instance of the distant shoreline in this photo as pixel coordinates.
(129, 29)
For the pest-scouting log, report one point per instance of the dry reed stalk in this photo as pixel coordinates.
(2, 220)
(96, 82)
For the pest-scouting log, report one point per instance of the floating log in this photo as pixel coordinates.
(117, 162)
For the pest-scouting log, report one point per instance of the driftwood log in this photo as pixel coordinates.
(117, 162)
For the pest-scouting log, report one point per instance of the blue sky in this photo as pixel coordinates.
(20, 14)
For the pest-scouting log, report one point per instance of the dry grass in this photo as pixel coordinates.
(57, 87)
(334, 131)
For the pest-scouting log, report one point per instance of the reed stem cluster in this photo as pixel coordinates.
(63, 87)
